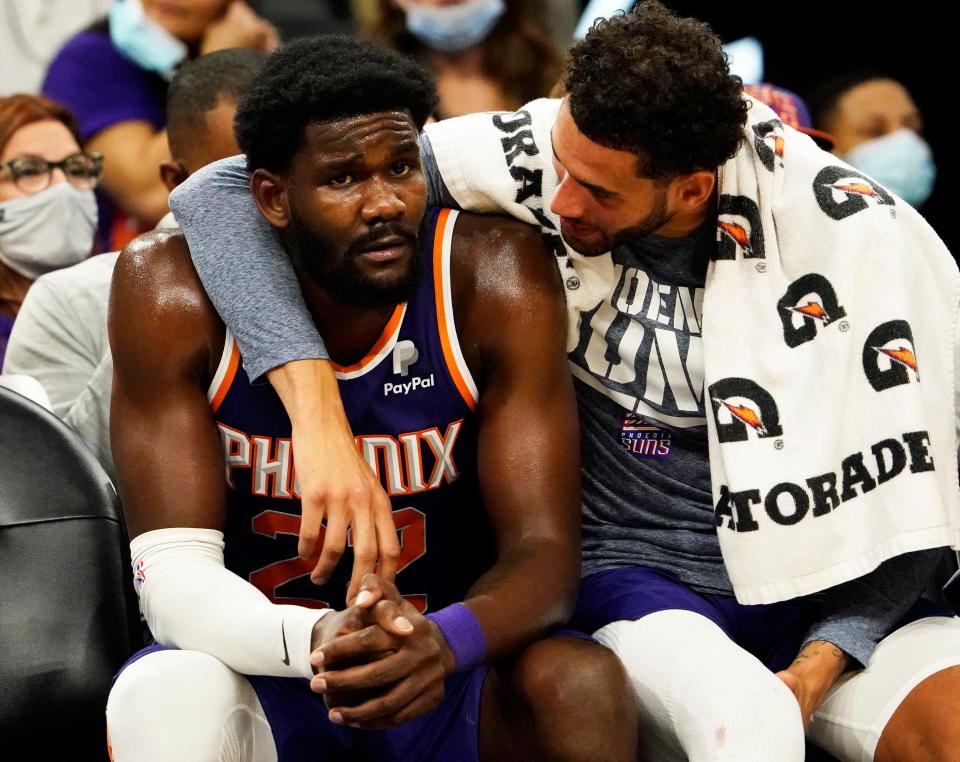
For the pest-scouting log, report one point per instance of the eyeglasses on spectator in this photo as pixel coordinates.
(32, 174)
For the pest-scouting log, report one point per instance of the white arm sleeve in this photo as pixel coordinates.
(191, 601)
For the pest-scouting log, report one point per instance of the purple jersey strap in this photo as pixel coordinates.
(464, 635)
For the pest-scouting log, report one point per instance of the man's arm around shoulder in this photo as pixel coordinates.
(258, 296)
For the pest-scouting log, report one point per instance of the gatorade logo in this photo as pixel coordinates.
(842, 192)
(809, 304)
(739, 227)
(768, 140)
(889, 358)
(744, 409)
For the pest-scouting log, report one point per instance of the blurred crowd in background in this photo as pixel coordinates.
(87, 80)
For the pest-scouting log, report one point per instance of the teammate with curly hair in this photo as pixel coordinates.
(628, 163)
(659, 137)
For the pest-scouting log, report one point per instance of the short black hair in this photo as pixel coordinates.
(824, 99)
(659, 86)
(198, 85)
(321, 79)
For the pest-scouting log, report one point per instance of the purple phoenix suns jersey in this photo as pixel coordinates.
(411, 404)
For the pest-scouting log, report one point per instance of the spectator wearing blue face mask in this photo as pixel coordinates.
(487, 55)
(878, 129)
(114, 77)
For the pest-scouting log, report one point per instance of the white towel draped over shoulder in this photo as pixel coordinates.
(503, 162)
(829, 322)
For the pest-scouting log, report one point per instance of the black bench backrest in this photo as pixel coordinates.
(68, 614)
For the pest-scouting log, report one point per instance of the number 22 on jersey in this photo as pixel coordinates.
(411, 526)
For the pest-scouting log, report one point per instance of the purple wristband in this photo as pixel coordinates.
(464, 636)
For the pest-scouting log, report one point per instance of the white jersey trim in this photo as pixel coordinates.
(223, 368)
(450, 321)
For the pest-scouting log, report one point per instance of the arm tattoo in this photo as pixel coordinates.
(821, 647)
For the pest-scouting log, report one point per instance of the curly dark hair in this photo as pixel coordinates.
(320, 79)
(659, 86)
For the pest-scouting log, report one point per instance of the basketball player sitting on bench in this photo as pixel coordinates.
(447, 330)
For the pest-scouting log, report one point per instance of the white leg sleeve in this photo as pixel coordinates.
(852, 717)
(172, 706)
(700, 695)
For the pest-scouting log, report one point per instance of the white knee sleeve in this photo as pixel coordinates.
(855, 712)
(700, 695)
(172, 706)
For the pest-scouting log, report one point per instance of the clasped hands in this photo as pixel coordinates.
(379, 663)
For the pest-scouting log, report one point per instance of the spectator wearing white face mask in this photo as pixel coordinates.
(487, 55)
(48, 213)
(60, 339)
(878, 129)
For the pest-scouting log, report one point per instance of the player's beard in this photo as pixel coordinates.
(655, 219)
(340, 274)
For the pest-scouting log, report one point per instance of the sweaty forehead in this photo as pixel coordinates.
(357, 133)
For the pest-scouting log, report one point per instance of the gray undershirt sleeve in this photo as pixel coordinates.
(244, 268)
(246, 271)
(858, 614)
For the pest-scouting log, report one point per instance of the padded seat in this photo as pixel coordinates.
(68, 613)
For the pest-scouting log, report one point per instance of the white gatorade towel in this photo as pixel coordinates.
(828, 326)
